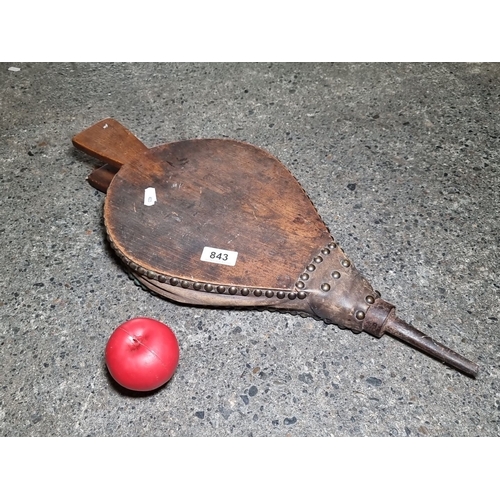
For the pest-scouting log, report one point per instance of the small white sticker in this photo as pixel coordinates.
(149, 197)
(219, 256)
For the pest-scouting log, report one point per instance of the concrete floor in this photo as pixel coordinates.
(402, 162)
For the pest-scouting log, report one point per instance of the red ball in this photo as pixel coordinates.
(142, 354)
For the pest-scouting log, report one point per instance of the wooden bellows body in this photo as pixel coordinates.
(231, 226)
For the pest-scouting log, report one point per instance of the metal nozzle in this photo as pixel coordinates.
(381, 318)
(407, 333)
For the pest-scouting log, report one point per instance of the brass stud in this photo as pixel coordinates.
(185, 284)
(369, 299)
(257, 292)
(332, 244)
(232, 290)
(318, 259)
(151, 275)
(197, 286)
(325, 251)
(336, 275)
(280, 294)
(346, 262)
(302, 295)
(245, 291)
(221, 289)
(133, 266)
(292, 295)
(304, 276)
(208, 287)
(325, 287)
(161, 278)
(174, 281)
(269, 293)
(311, 267)
(360, 315)
(300, 284)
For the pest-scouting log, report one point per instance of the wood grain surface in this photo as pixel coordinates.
(216, 193)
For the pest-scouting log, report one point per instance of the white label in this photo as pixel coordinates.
(219, 256)
(149, 197)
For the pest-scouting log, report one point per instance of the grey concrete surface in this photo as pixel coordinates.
(402, 162)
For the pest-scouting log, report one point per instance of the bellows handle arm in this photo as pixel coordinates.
(112, 143)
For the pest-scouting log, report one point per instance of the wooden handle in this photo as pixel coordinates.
(110, 142)
(101, 177)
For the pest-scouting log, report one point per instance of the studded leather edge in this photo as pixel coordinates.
(206, 287)
(342, 266)
(318, 259)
